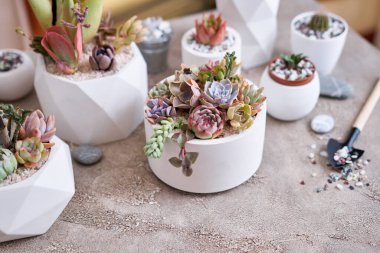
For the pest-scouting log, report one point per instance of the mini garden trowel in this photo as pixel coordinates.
(334, 146)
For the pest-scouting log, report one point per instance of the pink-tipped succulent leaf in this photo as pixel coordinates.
(211, 30)
(206, 122)
(36, 125)
(57, 44)
(31, 153)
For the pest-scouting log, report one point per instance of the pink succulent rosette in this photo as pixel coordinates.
(206, 122)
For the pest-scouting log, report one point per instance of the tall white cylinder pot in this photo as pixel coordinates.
(324, 53)
(194, 57)
(286, 102)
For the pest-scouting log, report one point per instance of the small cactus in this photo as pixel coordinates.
(319, 22)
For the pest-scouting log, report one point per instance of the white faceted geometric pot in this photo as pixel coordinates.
(30, 207)
(222, 163)
(324, 53)
(192, 57)
(256, 21)
(98, 110)
(290, 102)
(18, 82)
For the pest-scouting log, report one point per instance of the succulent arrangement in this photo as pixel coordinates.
(206, 102)
(211, 30)
(69, 25)
(25, 139)
(293, 67)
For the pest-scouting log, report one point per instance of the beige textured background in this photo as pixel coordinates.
(120, 206)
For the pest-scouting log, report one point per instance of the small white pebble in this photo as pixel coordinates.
(339, 186)
(311, 155)
(365, 162)
(362, 172)
(323, 153)
(359, 184)
(313, 146)
(314, 174)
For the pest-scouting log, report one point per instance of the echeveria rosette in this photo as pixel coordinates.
(36, 125)
(211, 30)
(240, 116)
(160, 90)
(220, 94)
(185, 94)
(206, 122)
(31, 153)
(159, 109)
(8, 163)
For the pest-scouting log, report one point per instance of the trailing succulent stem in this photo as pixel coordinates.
(319, 22)
(155, 145)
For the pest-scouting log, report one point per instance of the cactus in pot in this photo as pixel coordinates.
(8, 163)
(319, 22)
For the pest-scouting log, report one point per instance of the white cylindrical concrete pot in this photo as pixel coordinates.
(222, 163)
(98, 110)
(256, 22)
(194, 57)
(16, 83)
(290, 102)
(30, 207)
(324, 53)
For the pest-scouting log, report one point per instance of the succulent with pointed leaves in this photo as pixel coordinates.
(211, 30)
(159, 109)
(319, 22)
(160, 90)
(185, 93)
(131, 31)
(220, 94)
(206, 122)
(8, 163)
(31, 152)
(240, 116)
(102, 58)
(155, 145)
(36, 125)
(291, 61)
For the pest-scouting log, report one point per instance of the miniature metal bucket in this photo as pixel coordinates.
(155, 54)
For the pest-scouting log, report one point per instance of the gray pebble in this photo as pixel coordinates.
(87, 154)
(335, 88)
(322, 123)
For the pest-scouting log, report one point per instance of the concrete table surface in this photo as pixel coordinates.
(120, 206)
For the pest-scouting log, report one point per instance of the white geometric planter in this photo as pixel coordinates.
(30, 207)
(98, 110)
(17, 83)
(290, 102)
(324, 53)
(256, 21)
(222, 163)
(192, 57)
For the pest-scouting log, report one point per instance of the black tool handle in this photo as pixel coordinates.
(352, 137)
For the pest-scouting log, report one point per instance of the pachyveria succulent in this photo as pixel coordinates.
(159, 109)
(211, 30)
(210, 101)
(319, 22)
(102, 58)
(25, 139)
(130, 31)
(31, 152)
(8, 163)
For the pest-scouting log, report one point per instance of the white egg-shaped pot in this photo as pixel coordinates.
(192, 57)
(222, 163)
(30, 207)
(324, 53)
(290, 102)
(16, 83)
(98, 110)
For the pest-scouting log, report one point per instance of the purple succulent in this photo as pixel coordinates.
(206, 122)
(186, 93)
(220, 94)
(159, 109)
(102, 58)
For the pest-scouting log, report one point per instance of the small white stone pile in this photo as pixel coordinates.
(228, 42)
(157, 29)
(304, 70)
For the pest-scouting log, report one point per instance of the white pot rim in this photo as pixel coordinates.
(19, 68)
(309, 13)
(217, 141)
(57, 142)
(186, 46)
(42, 65)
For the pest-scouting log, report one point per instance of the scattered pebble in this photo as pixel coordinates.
(362, 172)
(335, 88)
(351, 187)
(359, 184)
(323, 153)
(334, 176)
(322, 123)
(302, 182)
(339, 187)
(311, 155)
(329, 180)
(325, 187)
(365, 162)
(318, 190)
(87, 154)
(313, 146)
(314, 174)
(367, 184)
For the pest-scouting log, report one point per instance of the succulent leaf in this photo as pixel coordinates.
(211, 30)
(102, 58)
(8, 163)
(42, 11)
(159, 109)
(36, 125)
(220, 94)
(206, 122)
(31, 153)
(240, 116)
